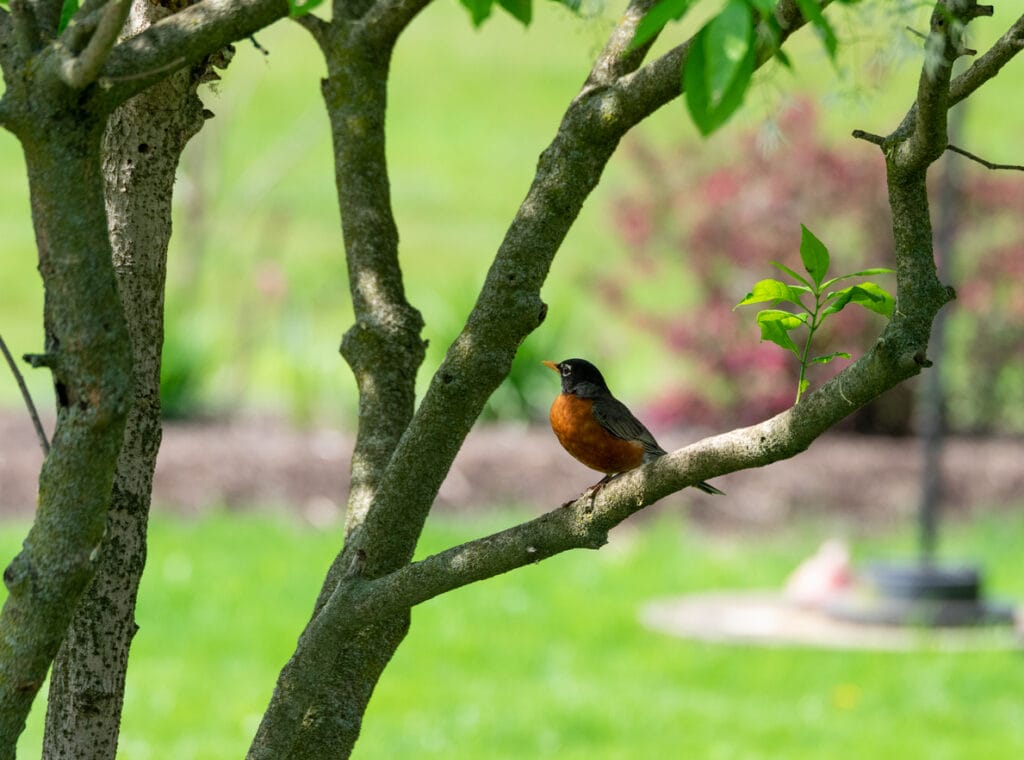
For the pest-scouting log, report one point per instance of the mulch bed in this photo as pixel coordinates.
(252, 463)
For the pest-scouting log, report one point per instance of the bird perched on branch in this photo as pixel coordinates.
(597, 428)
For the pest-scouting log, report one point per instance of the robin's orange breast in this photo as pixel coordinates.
(583, 437)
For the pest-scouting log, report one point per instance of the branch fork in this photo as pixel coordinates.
(81, 69)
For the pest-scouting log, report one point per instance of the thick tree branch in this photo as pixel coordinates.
(982, 70)
(47, 14)
(616, 59)
(989, 64)
(26, 29)
(383, 347)
(384, 350)
(943, 46)
(182, 39)
(82, 26)
(386, 19)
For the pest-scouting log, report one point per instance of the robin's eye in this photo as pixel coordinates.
(566, 371)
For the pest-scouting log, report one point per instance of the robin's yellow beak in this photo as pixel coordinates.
(552, 366)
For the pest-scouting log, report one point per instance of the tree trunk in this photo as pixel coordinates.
(319, 703)
(87, 350)
(142, 145)
(61, 85)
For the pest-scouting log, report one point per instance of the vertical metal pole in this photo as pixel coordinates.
(931, 407)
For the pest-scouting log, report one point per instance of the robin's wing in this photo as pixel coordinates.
(614, 417)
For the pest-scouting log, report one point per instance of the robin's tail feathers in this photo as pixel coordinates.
(708, 488)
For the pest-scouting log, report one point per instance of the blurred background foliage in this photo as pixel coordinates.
(749, 212)
(678, 231)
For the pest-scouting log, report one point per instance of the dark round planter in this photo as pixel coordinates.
(924, 581)
(921, 594)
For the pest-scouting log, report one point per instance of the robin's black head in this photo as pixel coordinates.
(579, 377)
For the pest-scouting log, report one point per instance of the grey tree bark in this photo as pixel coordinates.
(61, 86)
(87, 352)
(142, 146)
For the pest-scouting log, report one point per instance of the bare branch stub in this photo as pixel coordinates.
(860, 134)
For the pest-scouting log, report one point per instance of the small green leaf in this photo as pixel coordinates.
(867, 294)
(521, 10)
(728, 38)
(814, 255)
(774, 291)
(67, 9)
(874, 298)
(873, 270)
(787, 319)
(296, 8)
(775, 326)
(479, 10)
(655, 19)
(861, 273)
(830, 357)
(798, 277)
(719, 66)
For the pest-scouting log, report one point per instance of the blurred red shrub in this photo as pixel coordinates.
(722, 219)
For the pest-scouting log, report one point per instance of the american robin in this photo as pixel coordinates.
(597, 428)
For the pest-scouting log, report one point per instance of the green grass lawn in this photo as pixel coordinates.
(549, 661)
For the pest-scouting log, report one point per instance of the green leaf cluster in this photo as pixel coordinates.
(815, 300)
(723, 53)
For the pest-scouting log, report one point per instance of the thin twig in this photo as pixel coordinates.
(82, 69)
(916, 33)
(983, 162)
(45, 444)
